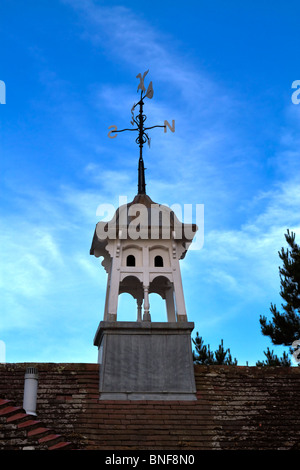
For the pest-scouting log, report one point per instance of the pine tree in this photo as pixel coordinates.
(284, 328)
(223, 356)
(273, 360)
(203, 354)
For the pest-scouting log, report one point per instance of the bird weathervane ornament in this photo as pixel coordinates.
(139, 120)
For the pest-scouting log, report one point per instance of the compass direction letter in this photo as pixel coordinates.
(172, 128)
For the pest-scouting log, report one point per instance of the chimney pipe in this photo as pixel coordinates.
(30, 390)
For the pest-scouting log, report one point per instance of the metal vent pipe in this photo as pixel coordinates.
(30, 390)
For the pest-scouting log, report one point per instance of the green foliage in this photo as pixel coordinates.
(273, 360)
(284, 328)
(203, 355)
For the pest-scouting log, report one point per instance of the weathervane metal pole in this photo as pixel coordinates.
(141, 178)
(142, 136)
(141, 171)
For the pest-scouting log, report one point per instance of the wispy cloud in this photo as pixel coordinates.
(237, 269)
(46, 255)
(205, 113)
(211, 158)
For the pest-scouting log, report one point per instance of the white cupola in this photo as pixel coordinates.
(141, 248)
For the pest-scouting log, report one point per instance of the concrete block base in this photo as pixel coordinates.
(145, 361)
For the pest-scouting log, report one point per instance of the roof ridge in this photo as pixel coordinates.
(36, 434)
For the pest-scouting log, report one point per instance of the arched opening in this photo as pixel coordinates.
(131, 293)
(162, 299)
(157, 308)
(130, 260)
(126, 307)
(159, 256)
(158, 261)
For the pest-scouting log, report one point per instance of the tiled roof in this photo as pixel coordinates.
(20, 431)
(237, 408)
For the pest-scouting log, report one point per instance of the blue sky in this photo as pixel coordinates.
(223, 71)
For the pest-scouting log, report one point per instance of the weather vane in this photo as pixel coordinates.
(139, 120)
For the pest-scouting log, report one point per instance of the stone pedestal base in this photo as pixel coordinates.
(145, 361)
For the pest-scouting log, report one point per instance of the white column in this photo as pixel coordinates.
(105, 317)
(179, 296)
(170, 304)
(146, 316)
(139, 309)
(113, 297)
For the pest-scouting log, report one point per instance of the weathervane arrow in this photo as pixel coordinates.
(139, 120)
